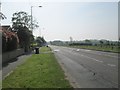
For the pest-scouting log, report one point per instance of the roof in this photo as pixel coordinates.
(6, 27)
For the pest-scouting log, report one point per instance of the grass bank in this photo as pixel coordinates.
(39, 71)
(114, 49)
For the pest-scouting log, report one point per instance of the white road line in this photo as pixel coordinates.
(108, 55)
(56, 50)
(102, 54)
(87, 50)
(99, 61)
(78, 50)
(112, 65)
(92, 58)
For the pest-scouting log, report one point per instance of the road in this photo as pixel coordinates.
(88, 68)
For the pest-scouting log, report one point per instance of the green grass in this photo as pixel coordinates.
(39, 71)
(45, 49)
(114, 49)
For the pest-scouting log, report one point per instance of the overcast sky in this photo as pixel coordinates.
(60, 20)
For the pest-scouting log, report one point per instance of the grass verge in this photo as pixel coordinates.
(39, 71)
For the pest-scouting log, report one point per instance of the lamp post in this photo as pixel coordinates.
(32, 17)
(40, 31)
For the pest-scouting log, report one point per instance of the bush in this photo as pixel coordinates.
(9, 41)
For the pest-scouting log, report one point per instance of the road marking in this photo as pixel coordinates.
(112, 65)
(98, 61)
(56, 50)
(78, 50)
(87, 50)
(108, 55)
(91, 58)
(99, 53)
(82, 50)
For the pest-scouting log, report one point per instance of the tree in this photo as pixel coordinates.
(107, 42)
(101, 42)
(87, 41)
(23, 19)
(24, 36)
(2, 16)
(21, 23)
(41, 41)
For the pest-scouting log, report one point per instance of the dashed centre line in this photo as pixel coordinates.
(92, 58)
(99, 61)
(103, 54)
(112, 65)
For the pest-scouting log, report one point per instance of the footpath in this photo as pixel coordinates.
(10, 66)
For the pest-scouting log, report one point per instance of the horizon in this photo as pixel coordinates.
(84, 40)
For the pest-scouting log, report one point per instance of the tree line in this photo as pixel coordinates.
(86, 42)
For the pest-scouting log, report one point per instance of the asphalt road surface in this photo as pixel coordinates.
(88, 68)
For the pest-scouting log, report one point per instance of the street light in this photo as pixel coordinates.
(32, 17)
(40, 31)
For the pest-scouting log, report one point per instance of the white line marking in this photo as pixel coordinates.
(108, 55)
(56, 50)
(112, 65)
(87, 50)
(92, 58)
(78, 50)
(99, 61)
(103, 54)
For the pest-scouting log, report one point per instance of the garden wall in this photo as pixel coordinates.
(11, 55)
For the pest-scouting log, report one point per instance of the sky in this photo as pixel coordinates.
(60, 20)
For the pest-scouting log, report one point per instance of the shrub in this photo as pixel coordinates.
(9, 40)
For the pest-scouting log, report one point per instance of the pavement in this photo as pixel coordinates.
(8, 67)
(88, 68)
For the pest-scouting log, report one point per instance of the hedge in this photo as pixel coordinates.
(9, 40)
